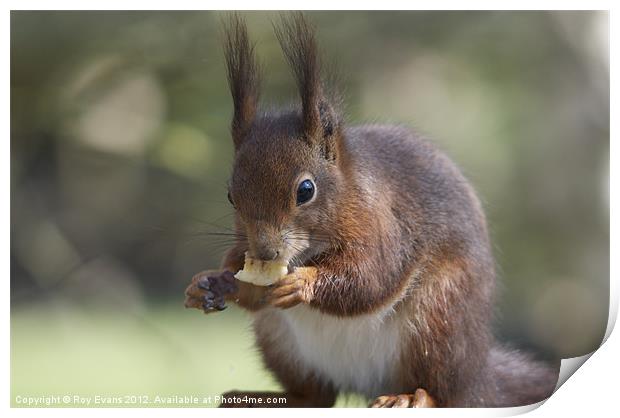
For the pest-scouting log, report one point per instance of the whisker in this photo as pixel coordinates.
(212, 224)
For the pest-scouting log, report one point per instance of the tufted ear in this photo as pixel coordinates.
(320, 121)
(243, 76)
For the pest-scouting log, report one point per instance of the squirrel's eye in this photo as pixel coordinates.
(305, 191)
(230, 199)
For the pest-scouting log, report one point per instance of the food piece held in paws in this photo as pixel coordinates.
(261, 273)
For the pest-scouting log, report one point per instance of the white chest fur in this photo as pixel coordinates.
(358, 354)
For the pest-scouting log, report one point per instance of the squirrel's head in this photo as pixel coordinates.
(286, 176)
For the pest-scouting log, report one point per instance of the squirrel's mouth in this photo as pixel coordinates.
(302, 258)
(290, 263)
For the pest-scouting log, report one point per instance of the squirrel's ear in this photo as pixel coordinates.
(320, 122)
(243, 76)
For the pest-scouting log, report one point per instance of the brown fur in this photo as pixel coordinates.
(394, 225)
(243, 76)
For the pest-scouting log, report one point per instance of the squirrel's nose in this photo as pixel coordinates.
(266, 254)
(265, 241)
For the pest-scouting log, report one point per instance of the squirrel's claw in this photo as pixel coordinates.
(208, 289)
(291, 290)
(420, 399)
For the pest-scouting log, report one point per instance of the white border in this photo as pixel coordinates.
(314, 5)
(591, 391)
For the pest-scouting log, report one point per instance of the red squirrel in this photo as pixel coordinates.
(390, 290)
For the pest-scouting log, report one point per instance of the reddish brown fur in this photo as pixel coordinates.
(394, 224)
(243, 77)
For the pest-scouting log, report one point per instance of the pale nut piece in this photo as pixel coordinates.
(261, 273)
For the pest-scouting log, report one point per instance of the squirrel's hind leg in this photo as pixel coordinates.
(420, 399)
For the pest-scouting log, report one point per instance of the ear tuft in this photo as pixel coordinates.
(298, 42)
(243, 75)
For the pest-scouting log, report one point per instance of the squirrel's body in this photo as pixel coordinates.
(355, 354)
(391, 278)
(437, 319)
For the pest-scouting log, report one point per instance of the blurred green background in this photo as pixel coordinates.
(120, 154)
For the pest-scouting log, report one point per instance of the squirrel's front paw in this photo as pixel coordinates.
(293, 289)
(208, 289)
